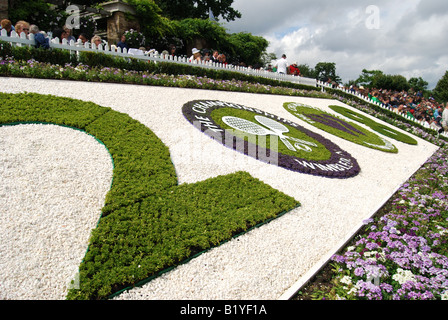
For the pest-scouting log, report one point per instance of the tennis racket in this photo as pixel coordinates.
(253, 128)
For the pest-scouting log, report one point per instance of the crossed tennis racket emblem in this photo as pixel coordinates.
(275, 129)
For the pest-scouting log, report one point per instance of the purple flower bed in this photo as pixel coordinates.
(402, 255)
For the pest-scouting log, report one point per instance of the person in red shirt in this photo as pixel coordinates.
(294, 70)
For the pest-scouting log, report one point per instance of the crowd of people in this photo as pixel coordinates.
(411, 103)
(42, 38)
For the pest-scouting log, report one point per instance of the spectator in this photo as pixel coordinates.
(122, 43)
(438, 115)
(282, 65)
(172, 50)
(96, 40)
(206, 55)
(222, 58)
(83, 37)
(60, 34)
(374, 97)
(444, 121)
(7, 25)
(22, 26)
(294, 69)
(68, 31)
(214, 57)
(196, 55)
(41, 40)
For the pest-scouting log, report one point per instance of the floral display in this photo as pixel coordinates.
(380, 128)
(135, 39)
(339, 127)
(308, 152)
(402, 254)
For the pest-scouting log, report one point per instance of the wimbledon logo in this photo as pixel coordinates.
(256, 133)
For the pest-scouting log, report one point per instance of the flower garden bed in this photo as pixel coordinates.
(116, 201)
(401, 253)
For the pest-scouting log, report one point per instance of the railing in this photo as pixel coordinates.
(324, 85)
(151, 55)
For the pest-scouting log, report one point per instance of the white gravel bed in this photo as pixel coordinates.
(53, 184)
(264, 263)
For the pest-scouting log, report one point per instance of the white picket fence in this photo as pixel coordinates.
(151, 55)
(324, 85)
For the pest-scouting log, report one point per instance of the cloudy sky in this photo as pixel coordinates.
(408, 37)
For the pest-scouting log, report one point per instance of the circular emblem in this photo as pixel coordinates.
(270, 138)
(339, 127)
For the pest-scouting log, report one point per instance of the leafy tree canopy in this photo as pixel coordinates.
(182, 9)
(418, 84)
(306, 71)
(153, 23)
(326, 70)
(440, 92)
(248, 48)
(367, 76)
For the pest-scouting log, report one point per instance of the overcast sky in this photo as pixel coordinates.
(397, 37)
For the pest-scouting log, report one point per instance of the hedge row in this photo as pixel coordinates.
(149, 223)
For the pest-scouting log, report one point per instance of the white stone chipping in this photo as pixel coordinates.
(53, 182)
(37, 249)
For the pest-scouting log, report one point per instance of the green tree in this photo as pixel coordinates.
(37, 12)
(267, 58)
(247, 48)
(367, 77)
(391, 82)
(326, 70)
(153, 23)
(418, 84)
(440, 92)
(377, 79)
(182, 9)
(214, 34)
(306, 71)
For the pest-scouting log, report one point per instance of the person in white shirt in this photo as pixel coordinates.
(444, 121)
(282, 65)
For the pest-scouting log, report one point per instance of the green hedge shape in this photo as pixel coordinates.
(149, 223)
(380, 128)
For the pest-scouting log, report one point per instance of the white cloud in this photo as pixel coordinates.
(410, 39)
